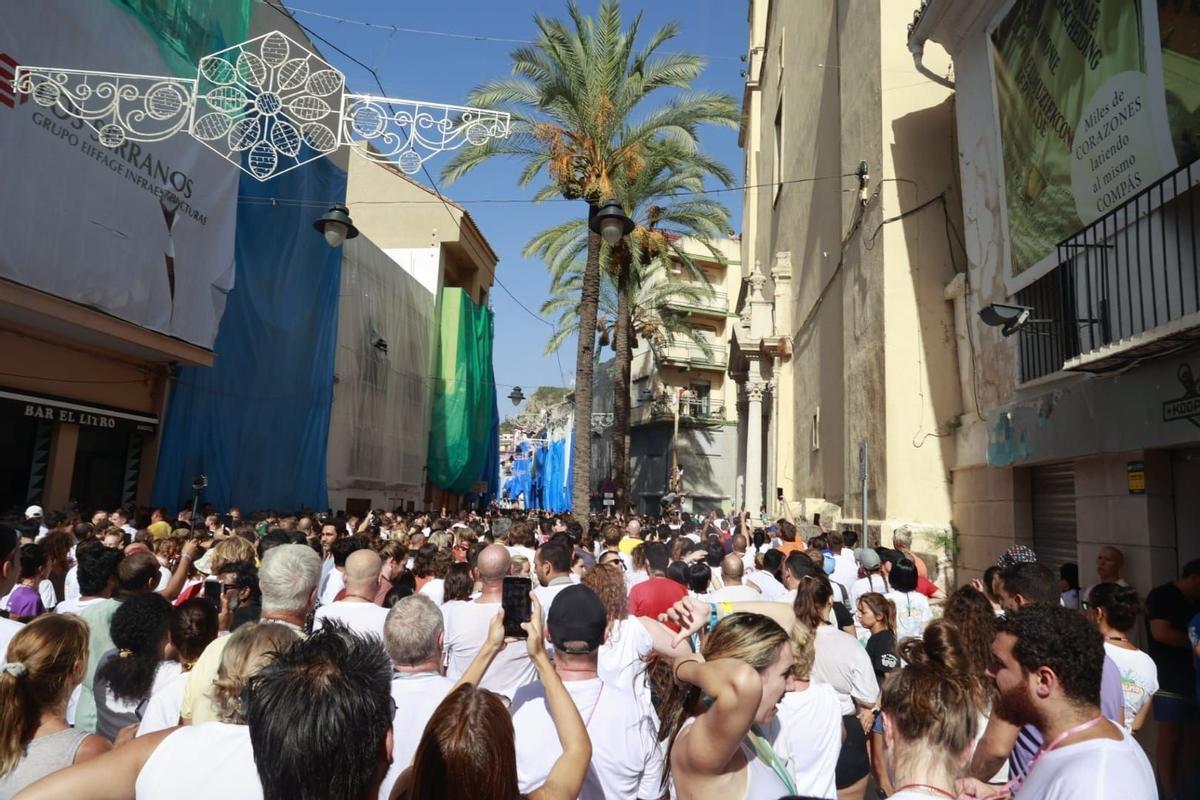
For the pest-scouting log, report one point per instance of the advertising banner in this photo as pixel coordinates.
(1086, 118)
(144, 232)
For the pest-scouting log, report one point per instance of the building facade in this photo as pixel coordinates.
(844, 354)
(1082, 417)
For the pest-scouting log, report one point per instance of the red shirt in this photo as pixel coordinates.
(654, 596)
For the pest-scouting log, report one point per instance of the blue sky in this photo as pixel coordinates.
(445, 69)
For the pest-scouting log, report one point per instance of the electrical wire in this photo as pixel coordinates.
(383, 91)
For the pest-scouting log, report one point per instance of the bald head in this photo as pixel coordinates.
(739, 543)
(732, 569)
(362, 571)
(635, 528)
(493, 563)
(1109, 562)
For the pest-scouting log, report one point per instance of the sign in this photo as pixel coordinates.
(145, 231)
(71, 412)
(1188, 406)
(1092, 109)
(1136, 474)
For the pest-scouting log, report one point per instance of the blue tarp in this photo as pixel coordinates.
(544, 478)
(257, 422)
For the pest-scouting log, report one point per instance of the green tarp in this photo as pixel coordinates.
(464, 394)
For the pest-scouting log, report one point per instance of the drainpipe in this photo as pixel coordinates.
(916, 46)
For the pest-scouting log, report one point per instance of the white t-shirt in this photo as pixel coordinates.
(626, 757)
(74, 606)
(841, 662)
(360, 617)
(164, 577)
(845, 568)
(621, 655)
(466, 631)
(333, 585)
(417, 696)
(71, 583)
(766, 582)
(872, 583)
(162, 709)
(807, 734)
(521, 550)
(201, 762)
(8, 629)
(736, 593)
(1098, 769)
(1139, 679)
(435, 590)
(912, 613)
(546, 595)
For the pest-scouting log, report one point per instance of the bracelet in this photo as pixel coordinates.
(187, 556)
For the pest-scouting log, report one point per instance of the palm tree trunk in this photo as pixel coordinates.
(621, 380)
(589, 299)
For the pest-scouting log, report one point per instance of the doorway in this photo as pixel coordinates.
(1185, 473)
(98, 479)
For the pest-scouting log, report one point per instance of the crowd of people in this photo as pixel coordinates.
(159, 655)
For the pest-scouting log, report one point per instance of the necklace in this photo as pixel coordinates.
(1016, 782)
(927, 787)
(1117, 638)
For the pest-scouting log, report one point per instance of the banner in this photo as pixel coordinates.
(97, 226)
(1083, 115)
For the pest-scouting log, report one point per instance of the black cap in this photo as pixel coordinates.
(578, 618)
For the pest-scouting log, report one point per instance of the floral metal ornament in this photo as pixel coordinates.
(267, 105)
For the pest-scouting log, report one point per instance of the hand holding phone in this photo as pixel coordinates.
(517, 605)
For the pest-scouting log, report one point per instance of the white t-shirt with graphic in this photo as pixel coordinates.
(1139, 679)
(912, 613)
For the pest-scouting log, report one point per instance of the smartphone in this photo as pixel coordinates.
(212, 592)
(517, 605)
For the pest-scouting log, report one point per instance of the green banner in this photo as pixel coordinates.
(464, 394)
(1083, 117)
(188, 30)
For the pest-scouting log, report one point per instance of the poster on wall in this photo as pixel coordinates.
(1095, 102)
(143, 232)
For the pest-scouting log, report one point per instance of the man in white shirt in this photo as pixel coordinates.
(467, 629)
(1047, 663)
(626, 756)
(733, 590)
(552, 566)
(845, 568)
(873, 579)
(1109, 563)
(357, 609)
(413, 635)
(340, 550)
(764, 579)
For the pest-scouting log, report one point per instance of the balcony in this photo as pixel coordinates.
(1125, 289)
(698, 412)
(716, 304)
(689, 356)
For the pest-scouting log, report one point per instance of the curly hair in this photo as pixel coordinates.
(139, 629)
(1063, 641)
(250, 648)
(969, 610)
(608, 582)
(193, 627)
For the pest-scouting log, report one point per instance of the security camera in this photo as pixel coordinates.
(1008, 318)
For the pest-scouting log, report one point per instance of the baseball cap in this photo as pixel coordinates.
(33, 512)
(577, 618)
(867, 558)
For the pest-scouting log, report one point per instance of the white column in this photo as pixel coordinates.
(754, 438)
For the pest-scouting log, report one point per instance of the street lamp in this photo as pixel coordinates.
(1009, 318)
(336, 225)
(516, 395)
(610, 221)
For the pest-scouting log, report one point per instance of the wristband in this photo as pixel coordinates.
(188, 556)
(713, 618)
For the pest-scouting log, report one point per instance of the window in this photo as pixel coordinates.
(816, 429)
(777, 165)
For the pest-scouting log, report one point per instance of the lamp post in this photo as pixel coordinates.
(610, 221)
(516, 395)
(336, 225)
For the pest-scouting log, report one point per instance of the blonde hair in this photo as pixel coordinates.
(804, 649)
(751, 638)
(227, 551)
(250, 648)
(43, 661)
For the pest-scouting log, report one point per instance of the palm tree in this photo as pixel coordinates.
(572, 100)
(664, 203)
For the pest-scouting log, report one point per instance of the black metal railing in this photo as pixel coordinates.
(1131, 271)
(703, 410)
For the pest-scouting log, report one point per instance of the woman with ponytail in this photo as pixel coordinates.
(44, 664)
(711, 713)
(137, 666)
(930, 715)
